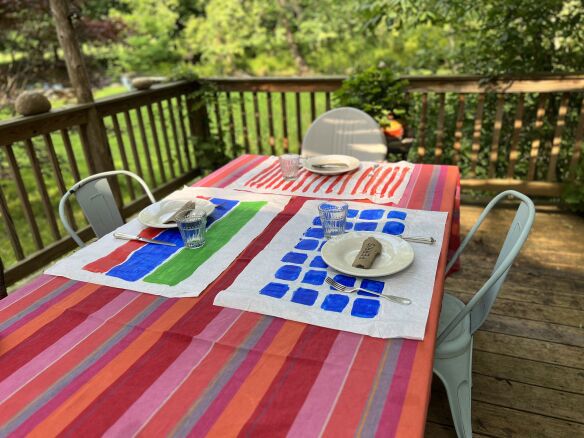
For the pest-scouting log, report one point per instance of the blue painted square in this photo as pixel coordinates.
(365, 308)
(288, 272)
(317, 233)
(316, 221)
(307, 244)
(365, 226)
(314, 277)
(393, 227)
(304, 296)
(372, 285)
(295, 257)
(335, 303)
(348, 226)
(396, 215)
(276, 290)
(352, 213)
(318, 262)
(345, 280)
(371, 215)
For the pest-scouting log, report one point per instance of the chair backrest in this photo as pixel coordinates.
(345, 131)
(480, 304)
(97, 201)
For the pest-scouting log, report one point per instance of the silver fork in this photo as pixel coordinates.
(351, 290)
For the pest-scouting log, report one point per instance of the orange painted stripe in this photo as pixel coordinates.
(27, 330)
(69, 361)
(242, 405)
(419, 386)
(32, 297)
(197, 382)
(84, 396)
(356, 391)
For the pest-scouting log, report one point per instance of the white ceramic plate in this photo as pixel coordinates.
(351, 162)
(340, 252)
(155, 214)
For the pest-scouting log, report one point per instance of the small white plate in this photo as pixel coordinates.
(351, 162)
(156, 214)
(340, 253)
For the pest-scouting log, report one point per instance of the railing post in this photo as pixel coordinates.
(198, 116)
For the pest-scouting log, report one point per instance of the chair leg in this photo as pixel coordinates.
(456, 374)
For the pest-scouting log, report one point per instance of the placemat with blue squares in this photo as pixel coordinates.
(287, 278)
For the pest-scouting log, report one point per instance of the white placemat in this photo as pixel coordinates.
(286, 279)
(175, 271)
(379, 182)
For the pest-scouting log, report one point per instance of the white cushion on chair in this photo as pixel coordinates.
(459, 338)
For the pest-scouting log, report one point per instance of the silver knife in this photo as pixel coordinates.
(329, 165)
(142, 239)
(419, 239)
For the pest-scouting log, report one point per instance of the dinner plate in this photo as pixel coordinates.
(156, 214)
(340, 253)
(351, 163)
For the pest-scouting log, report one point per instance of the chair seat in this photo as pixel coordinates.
(459, 339)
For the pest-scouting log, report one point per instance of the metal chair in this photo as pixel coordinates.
(3, 291)
(95, 197)
(458, 322)
(345, 131)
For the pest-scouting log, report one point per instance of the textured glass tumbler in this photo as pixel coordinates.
(192, 225)
(290, 165)
(333, 216)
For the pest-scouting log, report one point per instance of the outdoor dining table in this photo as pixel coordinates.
(79, 358)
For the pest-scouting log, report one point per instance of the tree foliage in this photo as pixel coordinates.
(495, 36)
(29, 40)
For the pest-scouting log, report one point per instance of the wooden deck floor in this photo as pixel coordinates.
(528, 358)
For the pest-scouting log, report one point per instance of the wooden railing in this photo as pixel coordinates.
(147, 132)
(523, 133)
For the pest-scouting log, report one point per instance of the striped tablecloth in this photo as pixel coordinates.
(82, 359)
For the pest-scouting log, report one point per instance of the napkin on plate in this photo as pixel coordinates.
(189, 205)
(370, 249)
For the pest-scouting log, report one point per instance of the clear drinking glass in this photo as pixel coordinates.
(333, 216)
(290, 165)
(192, 225)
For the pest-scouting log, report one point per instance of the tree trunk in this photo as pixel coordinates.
(99, 150)
(294, 50)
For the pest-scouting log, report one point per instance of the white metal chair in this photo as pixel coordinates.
(96, 199)
(458, 322)
(345, 131)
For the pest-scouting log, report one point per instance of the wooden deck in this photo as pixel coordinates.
(528, 358)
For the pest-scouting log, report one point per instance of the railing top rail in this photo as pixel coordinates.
(134, 99)
(22, 128)
(440, 84)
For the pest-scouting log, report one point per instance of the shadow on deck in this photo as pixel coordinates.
(528, 358)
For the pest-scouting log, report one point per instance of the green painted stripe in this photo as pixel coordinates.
(187, 261)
